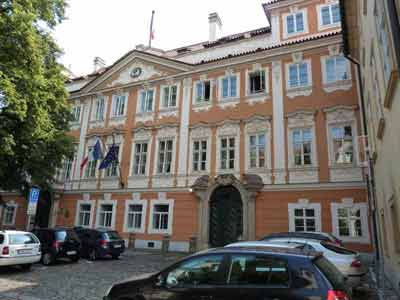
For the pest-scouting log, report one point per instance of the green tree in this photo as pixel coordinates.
(34, 111)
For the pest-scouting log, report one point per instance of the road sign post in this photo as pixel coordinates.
(33, 199)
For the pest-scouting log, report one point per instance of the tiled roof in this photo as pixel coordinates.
(287, 43)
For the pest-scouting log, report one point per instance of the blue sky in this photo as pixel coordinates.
(97, 28)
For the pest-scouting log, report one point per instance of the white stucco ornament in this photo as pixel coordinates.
(137, 72)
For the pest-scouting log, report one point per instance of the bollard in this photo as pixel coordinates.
(132, 238)
(192, 244)
(165, 244)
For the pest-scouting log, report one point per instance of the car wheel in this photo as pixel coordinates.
(93, 255)
(47, 259)
(115, 256)
(26, 267)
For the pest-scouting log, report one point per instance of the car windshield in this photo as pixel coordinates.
(334, 276)
(111, 235)
(22, 239)
(336, 249)
(62, 235)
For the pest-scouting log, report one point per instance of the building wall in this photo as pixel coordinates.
(382, 101)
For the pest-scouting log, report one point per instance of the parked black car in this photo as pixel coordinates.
(321, 236)
(58, 243)
(240, 273)
(97, 243)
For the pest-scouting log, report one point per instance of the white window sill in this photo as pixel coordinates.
(199, 173)
(294, 34)
(164, 175)
(201, 106)
(299, 91)
(343, 166)
(158, 231)
(259, 170)
(138, 176)
(328, 26)
(168, 109)
(341, 85)
(117, 118)
(303, 168)
(134, 230)
(229, 99)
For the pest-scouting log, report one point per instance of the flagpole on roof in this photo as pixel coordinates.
(151, 33)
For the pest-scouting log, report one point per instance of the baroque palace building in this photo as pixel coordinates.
(232, 138)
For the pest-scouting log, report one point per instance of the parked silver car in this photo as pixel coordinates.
(19, 248)
(347, 261)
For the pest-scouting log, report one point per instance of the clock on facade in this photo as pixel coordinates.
(136, 72)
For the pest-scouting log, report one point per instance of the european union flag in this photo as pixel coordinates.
(111, 156)
(97, 151)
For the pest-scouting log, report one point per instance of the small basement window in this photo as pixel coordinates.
(257, 81)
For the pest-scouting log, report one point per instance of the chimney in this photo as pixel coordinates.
(98, 63)
(215, 26)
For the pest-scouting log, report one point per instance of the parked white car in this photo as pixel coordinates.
(347, 261)
(19, 248)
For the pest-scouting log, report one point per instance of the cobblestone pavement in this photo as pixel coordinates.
(83, 280)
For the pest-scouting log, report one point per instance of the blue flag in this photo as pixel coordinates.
(96, 155)
(111, 156)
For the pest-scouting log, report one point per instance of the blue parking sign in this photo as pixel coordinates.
(33, 200)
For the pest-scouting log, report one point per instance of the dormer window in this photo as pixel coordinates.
(146, 101)
(295, 23)
(169, 95)
(330, 14)
(257, 82)
(203, 91)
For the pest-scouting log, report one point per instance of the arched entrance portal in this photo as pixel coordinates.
(226, 216)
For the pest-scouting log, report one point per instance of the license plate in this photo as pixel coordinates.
(24, 251)
(71, 252)
(117, 246)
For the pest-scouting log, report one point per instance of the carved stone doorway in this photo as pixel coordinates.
(226, 216)
(245, 191)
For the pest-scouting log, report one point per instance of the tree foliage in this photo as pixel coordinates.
(34, 112)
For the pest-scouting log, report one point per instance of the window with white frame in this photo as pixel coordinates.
(105, 216)
(336, 69)
(227, 153)
(199, 155)
(146, 101)
(304, 216)
(257, 82)
(76, 113)
(229, 86)
(302, 145)
(165, 150)
(203, 91)
(113, 168)
(119, 104)
(342, 144)
(140, 158)
(10, 212)
(350, 221)
(295, 23)
(99, 109)
(169, 95)
(298, 75)
(161, 217)
(257, 151)
(134, 219)
(330, 14)
(91, 166)
(84, 214)
(67, 168)
(383, 38)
